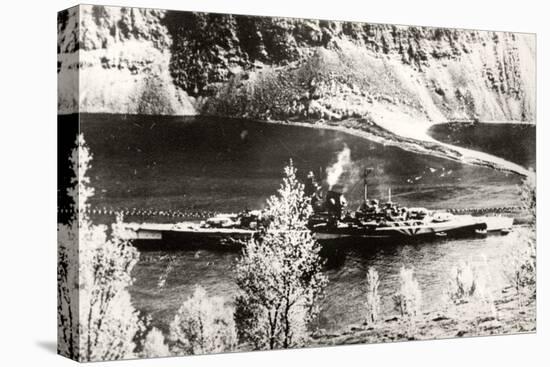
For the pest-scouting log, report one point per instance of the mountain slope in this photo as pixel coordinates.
(152, 61)
(389, 82)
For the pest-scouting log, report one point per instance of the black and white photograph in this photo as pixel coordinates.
(234, 183)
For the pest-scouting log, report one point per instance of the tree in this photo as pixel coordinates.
(520, 266)
(279, 273)
(203, 325)
(408, 299)
(96, 319)
(153, 97)
(462, 284)
(528, 195)
(468, 287)
(373, 298)
(154, 345)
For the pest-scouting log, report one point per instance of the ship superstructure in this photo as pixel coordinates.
(372, 222)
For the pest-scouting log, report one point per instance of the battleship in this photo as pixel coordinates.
(372, 223)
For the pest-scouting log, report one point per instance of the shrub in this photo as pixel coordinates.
(96, 319)
(153, 98)
(279, 274)
(373, 298)
(528, 195)
(203, 325)
(154, 345)
(462, 284)
(520, 266)
(469, 285)
(408, 299)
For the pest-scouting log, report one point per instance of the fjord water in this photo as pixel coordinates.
(514, 142)
(230, 165)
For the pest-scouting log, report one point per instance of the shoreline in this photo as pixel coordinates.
(428, 145)
(415, 140)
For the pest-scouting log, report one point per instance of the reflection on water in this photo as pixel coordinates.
(228, 165)
(345, 267)
(432, 263)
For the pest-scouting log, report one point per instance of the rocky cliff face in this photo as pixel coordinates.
(151, 61)
(123, 56)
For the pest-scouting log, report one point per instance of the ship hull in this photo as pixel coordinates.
(391, 233)
(188, 235)
(191, 235)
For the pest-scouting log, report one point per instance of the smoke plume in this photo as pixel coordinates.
(335, 170)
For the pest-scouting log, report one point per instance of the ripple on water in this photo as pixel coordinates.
(209, 164)
(346, 269)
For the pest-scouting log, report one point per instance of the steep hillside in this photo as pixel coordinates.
(123, 55)
(283, 68)
(151, 61)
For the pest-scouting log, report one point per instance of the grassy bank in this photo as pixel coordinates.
(507, 318)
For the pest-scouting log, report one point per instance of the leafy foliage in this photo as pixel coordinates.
(373, 298)
(96, 319)
(521, 269)
(203, 325)
(408, 299)
(521, 263)
(528, 195)
(154, 98)
(290, 209)
(200, 48)
(279, 274)
(469, 286)
(462, 284)
(154, 345)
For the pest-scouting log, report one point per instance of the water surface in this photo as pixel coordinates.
(513, 142)
(229, 165)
